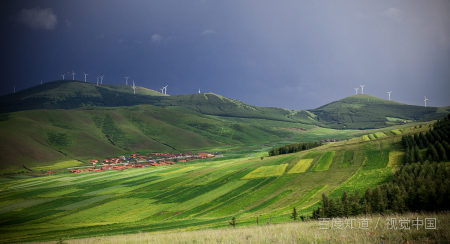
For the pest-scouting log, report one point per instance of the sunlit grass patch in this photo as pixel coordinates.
(372, 137)
(266, 171)
(395, 158)
(178, 171)
(365, 138)
(379, 135)
(325, 161)
(301, 166)
(61, 165)
(396, 132)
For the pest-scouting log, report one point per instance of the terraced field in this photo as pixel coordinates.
(194, 195)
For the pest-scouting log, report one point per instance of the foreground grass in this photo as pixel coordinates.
(299, 232)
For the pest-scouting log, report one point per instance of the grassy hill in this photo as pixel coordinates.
(365, 111)
(198, 194)
(45, 137)
(354, 112)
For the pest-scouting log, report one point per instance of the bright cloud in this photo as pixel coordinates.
(38, 18)
(156, 38)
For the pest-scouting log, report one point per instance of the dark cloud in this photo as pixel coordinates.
(38, 18)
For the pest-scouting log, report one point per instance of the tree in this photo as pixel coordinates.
(233, 222)
(431, 150)
(294, 214)
(345, 204)
(441, 151)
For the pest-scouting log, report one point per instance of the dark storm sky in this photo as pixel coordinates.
(289, 54)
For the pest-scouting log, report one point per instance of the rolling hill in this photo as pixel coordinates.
(354, 112)
(75, 121)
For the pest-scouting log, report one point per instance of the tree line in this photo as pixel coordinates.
(416, 186)
(292, 148)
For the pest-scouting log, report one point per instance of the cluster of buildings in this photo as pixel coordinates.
(140, 161)
(330, 140)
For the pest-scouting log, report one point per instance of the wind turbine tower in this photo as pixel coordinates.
(63, 76)
(101, 79)
(362, 89)
(199, 90)
(126, 80)
(73, 75)
(162, 90)
(134, 88)
(165, 89)
(389, 95)
(85, 76)
(425, 101)
(356, 89)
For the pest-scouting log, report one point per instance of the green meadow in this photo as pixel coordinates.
(194, 195)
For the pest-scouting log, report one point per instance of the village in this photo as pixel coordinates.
(141, 161)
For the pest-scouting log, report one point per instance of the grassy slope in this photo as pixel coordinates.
(193, 195)
(145, 128)
(349, 113)
(365, 111)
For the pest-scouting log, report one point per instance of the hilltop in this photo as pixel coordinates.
(364, 111)
(354, 112)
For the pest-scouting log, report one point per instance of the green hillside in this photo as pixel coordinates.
(45, 137)
(199, 194)
(365, 111)
(354, 112)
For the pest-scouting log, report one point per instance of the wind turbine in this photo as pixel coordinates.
(126, 80)
(362, 89)
(425, 101)
(63, 76)
(165, 89)
(162, 90)
(389, 95)
(199, 90)
(73, 75)
(134, 88)
(101, 79)
(85, 76)
(356, 89)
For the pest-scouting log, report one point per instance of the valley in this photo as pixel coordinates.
(360, 150)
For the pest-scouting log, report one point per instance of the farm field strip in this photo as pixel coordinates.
(252, 198)
(266, 171)
(209, 196)
(379, 135)
(363, 179)
(325, 161)
(269, 201)
(348, 159)
(26, 203)
(104, 211)
(301, 166)
(365, 138)
(60, 193)
(252, 186)
(84, 202)
(376, 159)
(395, 158)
